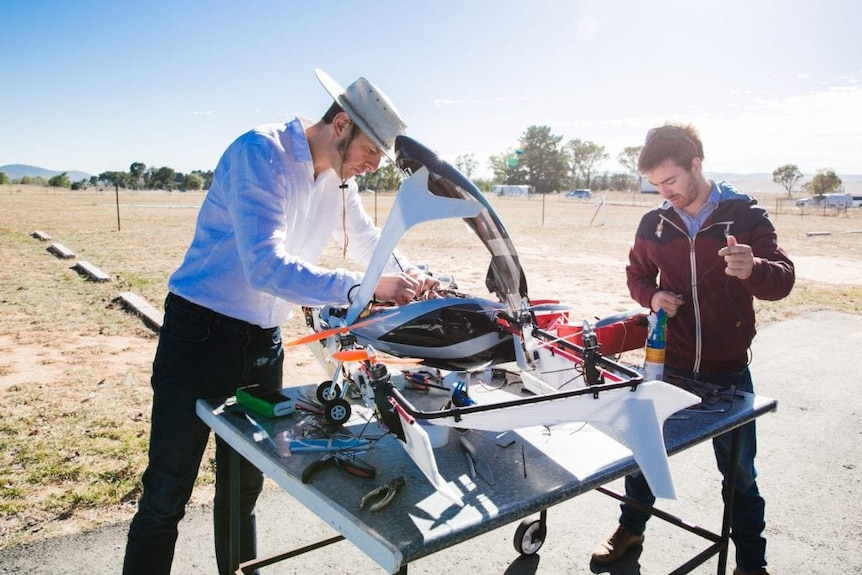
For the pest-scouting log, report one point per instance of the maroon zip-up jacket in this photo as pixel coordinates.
(713, 330)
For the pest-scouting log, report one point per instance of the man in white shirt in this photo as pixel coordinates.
(279, 193)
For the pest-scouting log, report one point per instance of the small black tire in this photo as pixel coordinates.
(530, 536)
(338, 411)
(328, 391)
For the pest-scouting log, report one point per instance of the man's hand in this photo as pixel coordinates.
(738, 259)
(666, 300)
(428, 283)
(399, 288)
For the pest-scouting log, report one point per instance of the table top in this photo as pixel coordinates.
(538, 469)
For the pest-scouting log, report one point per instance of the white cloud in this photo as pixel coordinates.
(821, 129)
(586, 29)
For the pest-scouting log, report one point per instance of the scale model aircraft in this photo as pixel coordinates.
(558, 362)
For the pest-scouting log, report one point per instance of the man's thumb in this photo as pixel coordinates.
(731, 240)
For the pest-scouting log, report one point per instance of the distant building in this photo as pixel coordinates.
(513, 191)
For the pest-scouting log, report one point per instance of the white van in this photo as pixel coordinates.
(837, 200)
(856, 201)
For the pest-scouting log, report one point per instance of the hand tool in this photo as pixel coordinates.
(383, 495)
(351, 464)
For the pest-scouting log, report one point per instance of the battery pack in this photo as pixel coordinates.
(266, 402)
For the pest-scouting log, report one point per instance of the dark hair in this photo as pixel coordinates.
(330, 114)
(677, 142)
(329, 117)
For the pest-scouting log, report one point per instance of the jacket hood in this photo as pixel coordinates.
(727, 192)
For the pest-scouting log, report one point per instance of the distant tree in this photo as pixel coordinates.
(94, 180)
(162, 178)
(628, 159)
(60, 181)
(824, 182)
(508, 168)
(620, 182)
(543, 160)
(80, 185)
(365, 181)
(466, 164)
(4, 179)
(602, 182)
(206, 178)
(193, 182)
(583, 158)
(483, 185)
(787, 175)
(116, 179)
(30, 181)
(388, 177)
(179, 180)
(136, 175)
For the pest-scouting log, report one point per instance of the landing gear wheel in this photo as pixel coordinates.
(529, 536)
(327, 391)
(337, 411)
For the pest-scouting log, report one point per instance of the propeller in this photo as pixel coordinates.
(346, 355)
(323, 334)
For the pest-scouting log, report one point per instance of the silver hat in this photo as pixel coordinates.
(369, 108)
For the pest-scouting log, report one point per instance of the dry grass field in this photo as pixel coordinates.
(75, 366)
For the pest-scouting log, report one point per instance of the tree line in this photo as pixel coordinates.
(139, 177)
(548, 164)
(542, 161)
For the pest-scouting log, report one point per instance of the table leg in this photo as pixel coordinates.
(233, 533)
(727, 496)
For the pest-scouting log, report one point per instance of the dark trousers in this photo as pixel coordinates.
(748, 506)
(201, 354)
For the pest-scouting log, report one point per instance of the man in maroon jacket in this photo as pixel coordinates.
(703, 256)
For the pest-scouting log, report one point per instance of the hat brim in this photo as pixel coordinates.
(337, 92)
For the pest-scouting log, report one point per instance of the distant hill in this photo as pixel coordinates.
(15, 171)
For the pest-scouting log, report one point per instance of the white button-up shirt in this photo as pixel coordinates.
(263, 226)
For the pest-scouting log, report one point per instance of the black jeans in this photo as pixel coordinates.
(201, 354)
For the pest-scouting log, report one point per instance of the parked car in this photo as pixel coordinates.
(856, 201)
(806, 202)
(581, 193)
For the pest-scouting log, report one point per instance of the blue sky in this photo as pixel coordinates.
(95, 85)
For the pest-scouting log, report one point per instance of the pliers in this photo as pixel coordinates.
(383, 495)
(351, 464)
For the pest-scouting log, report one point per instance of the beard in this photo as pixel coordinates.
(341, 147)
(689, 193)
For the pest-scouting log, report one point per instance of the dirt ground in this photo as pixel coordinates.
(60, 333)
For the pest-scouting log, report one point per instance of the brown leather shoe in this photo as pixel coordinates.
(761, 571)
(616, 546)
